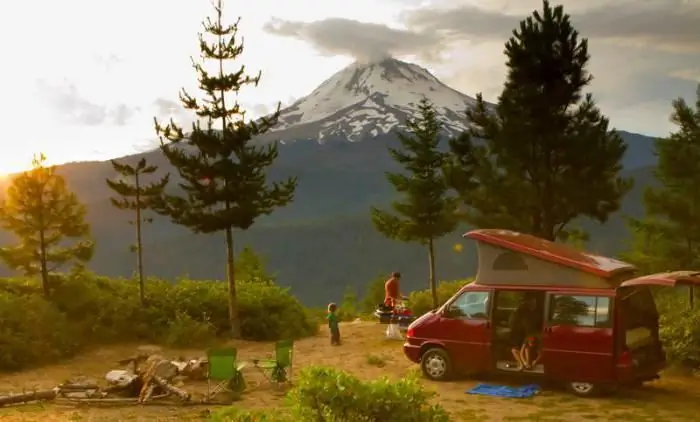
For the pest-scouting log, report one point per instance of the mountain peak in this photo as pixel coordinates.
(366, 100)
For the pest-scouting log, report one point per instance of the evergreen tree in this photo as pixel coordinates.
(426, 212)
(669, 237)
(138, 197)
(223, 174)
(548, 156)
(41, 211)
(251, 267)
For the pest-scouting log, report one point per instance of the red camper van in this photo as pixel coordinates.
(597, 325)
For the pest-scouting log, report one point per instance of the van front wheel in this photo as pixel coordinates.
(435, 364)
(583, 389)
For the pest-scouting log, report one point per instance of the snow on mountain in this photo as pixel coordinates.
(368, 100)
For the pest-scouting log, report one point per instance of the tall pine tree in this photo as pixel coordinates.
(427, 211)
(138, 197)
(548, 155)
(669, 236)
(41, 211)
(223, 174)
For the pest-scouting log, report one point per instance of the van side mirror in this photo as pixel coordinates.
(451, 312)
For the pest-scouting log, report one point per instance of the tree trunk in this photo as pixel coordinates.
(691, 296)
(231, 276)
(44, 265)
(139, 256)
(433, 283)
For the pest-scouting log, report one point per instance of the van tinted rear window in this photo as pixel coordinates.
(639, 304)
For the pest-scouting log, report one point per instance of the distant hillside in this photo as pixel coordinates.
(317, 256)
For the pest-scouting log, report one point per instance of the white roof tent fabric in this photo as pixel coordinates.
(512, 258)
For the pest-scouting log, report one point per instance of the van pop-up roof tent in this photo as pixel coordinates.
(512, 258)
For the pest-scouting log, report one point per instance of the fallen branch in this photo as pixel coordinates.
(27, 397)
(179, 392)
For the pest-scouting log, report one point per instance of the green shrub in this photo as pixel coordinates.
(233, 414)
(326, 394)
(679, 328)
(184, 331)
(85, 308)
(32, 331)
(421, 301)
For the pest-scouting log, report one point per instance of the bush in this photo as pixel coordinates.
(679, 329)
(327, 394)
(85, 308)
(421, 301)
(185, 330)
(32, 331)
(232, 414)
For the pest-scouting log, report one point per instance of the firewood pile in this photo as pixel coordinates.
(146, 378)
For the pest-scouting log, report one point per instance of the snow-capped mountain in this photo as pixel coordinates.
(368, 100)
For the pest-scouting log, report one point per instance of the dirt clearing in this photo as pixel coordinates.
(366, 354)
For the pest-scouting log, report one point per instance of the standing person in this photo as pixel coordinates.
(333, 324)
(392, 290)
(392, 295)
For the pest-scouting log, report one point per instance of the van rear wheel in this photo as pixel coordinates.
(584, 389)
(436, 364)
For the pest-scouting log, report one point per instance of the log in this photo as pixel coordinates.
(27, 397)
(165, 385)
(78, 387)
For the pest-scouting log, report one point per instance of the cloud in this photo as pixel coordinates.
(360, 40)
(687, 74)
(644, 53)
(73, 107)
(670, 25)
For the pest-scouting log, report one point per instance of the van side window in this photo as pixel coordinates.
(509, 261)
(580, 311)
(470, 305)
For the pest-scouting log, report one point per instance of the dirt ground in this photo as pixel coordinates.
(366, 354)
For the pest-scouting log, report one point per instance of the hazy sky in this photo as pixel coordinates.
(83, 79)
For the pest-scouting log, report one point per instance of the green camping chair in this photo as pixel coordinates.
(279, 369)
(225, 370)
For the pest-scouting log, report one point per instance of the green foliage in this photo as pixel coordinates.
(679, 329)
(223, 174)
(421, 301)
(185, 330)
(348, 308)
(374, 294)
(251, 267)
(87, 309)
(327, 394)
(548, 155)
(427, 210)
(233, 414)
(32, 331)
(41, 211)
(137, 197)
(669, 235)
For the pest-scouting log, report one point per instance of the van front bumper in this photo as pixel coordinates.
(412, 352)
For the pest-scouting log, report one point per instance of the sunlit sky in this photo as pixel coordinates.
(83, 79)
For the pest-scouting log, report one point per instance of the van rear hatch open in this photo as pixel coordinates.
(640, 346)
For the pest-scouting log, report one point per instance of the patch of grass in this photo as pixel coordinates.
(376, 360)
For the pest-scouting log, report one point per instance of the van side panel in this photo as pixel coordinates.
(576, 350)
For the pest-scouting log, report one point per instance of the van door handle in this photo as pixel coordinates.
(547, 329)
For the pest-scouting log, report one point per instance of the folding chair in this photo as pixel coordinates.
(279, 369)
(224, 369)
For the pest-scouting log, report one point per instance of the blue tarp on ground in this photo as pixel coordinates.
(521, 392)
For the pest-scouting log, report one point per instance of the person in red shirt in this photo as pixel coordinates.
(392, 291)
